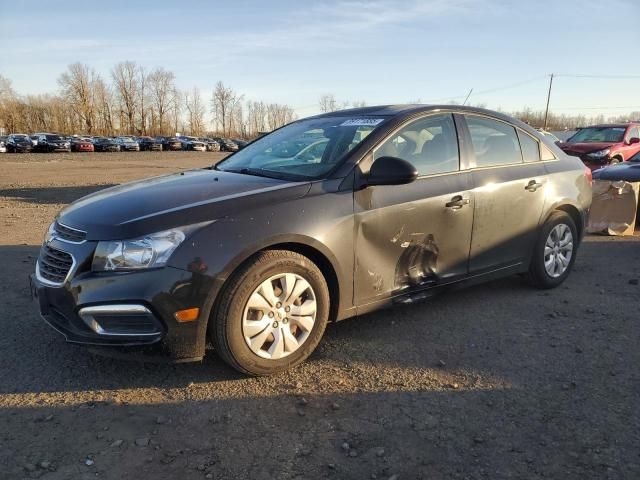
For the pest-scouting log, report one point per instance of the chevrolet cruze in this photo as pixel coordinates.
(257, 254)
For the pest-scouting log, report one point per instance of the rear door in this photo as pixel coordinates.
(509, 183)
(410, 237)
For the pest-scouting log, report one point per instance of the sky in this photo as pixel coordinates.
(379, 51)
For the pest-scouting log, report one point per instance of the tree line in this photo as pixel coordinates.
(136, 101)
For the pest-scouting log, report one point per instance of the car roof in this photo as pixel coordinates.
(408, 109)
(612, 125)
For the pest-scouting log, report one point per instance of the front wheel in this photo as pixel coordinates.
(555, 251)
(272, 313)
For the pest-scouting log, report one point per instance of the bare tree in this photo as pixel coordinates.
(125, 76)
(77, 85)
(103, 98)
(279, 115)
(223, 103)
(161, 90)
(195, 111)
(328, 103)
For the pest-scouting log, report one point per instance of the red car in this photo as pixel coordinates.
(81, 145)
(602, 145)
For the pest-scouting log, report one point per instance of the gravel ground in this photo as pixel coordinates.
(496, 381)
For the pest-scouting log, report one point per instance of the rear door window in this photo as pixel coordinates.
(494, 143)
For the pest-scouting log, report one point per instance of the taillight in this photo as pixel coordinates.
(588, 175)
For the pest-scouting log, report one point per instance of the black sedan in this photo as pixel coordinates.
(47, 143)
(389, 205)
(227, 145)
(19, 143)
(170, 143)
(149, 144)
(105, 144)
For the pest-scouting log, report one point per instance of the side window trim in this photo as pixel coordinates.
(412, 120)
(472, 165)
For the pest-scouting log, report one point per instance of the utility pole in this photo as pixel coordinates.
(546, 113)
(468, 95)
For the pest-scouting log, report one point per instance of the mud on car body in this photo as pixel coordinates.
(258, 253)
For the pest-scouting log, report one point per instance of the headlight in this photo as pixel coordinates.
(599, 153)
(147, 252)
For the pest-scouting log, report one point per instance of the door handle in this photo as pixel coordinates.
(533, 185)
(457, 202)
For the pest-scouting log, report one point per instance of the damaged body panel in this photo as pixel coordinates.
(366, 207)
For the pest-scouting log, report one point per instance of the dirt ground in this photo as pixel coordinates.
(497, 381)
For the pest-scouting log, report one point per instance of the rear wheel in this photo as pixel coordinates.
(272, 313)
(555, 251)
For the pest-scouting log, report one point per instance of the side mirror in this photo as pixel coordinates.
(391, 171)
(634, 140)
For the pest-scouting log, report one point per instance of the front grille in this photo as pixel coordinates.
(69, 234)
(54, 265)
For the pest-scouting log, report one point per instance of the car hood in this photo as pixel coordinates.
(159, 203)
(585, 147)
(629, 171)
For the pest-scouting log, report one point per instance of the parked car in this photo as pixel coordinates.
(601, 145)
(34, 139)
(553, 138)
(127, 144)
(226, 145)
(628, 171)
(79, 144)
(192, 143)
(19, 143)
(48, 143)
(240, 143)
(258, 255)
(211, 145)
(3, 144)
(105, 144)
(150, 144)
(170, 143)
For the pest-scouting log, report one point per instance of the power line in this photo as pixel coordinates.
(604, 77)
(599, 108)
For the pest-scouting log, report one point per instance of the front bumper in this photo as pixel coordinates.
(132, 309)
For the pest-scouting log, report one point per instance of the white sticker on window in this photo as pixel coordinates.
(361, 122)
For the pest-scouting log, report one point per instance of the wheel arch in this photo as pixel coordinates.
(573, 212)
(306, 246)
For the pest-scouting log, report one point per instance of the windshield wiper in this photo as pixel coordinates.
(258, 172)
(261, 172)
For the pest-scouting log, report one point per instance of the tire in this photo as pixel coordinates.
(230, 320)
(539, 274)
(615, 161)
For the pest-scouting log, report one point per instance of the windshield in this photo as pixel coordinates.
(127, 140)
(53, 138)
(305, 149)
(598, 135)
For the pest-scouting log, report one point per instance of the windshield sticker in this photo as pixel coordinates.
(361, 122)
